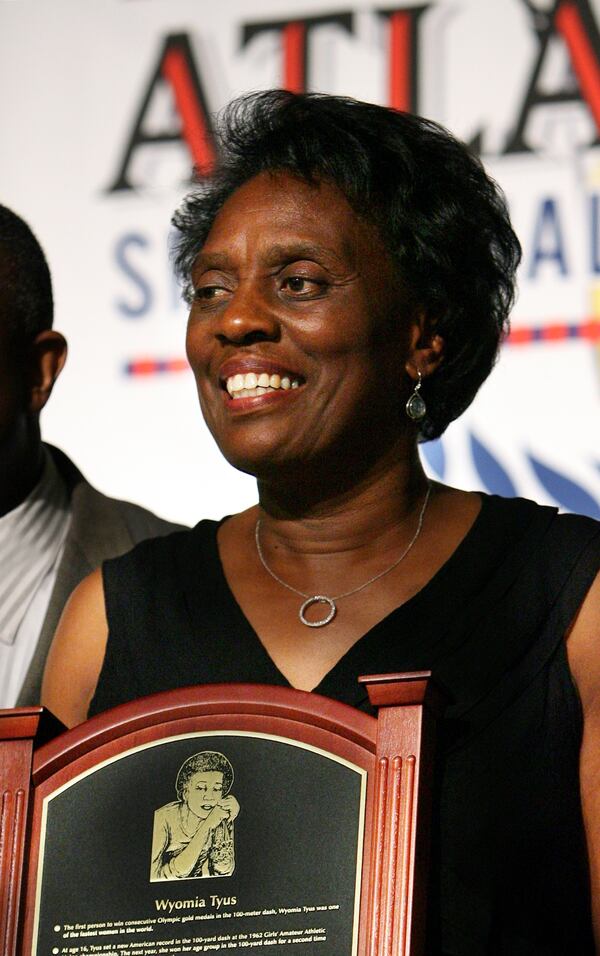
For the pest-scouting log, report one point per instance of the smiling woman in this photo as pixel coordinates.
(314, 293)
(349, 271)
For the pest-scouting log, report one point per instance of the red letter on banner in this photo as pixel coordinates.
(295, 36)
(576, 24)
(403, 56)
(177, 68)
(574, 21)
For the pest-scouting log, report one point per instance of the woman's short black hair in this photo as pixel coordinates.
(205, 761)
(442, 218)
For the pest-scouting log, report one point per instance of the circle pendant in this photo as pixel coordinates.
(318, 599)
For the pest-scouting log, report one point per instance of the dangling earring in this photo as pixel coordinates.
(416, 409)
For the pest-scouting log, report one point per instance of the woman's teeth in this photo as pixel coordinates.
(251, 384)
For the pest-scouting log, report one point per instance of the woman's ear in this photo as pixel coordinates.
(46, 359)
(425, 348)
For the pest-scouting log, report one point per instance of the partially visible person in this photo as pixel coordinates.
(54, 527)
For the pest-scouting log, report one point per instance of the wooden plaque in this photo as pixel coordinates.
(219, 818)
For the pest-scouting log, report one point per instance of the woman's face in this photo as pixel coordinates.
(296, 335)
(203, 791)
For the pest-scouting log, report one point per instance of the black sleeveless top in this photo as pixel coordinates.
(509, 872)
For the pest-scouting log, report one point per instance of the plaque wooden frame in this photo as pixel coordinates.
(396, 749)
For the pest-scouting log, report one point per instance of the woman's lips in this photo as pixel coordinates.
(251, 384)
(255, 399)
(249, 380)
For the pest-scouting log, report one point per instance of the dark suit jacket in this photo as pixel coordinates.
(100, 528)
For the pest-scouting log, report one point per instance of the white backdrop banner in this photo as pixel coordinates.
(106, 105)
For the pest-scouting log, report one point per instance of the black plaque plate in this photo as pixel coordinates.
(158, 851)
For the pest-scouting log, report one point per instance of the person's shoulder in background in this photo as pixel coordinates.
(137, 522)
(100, 528)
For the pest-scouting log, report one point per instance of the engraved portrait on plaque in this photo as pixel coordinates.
(193, 836)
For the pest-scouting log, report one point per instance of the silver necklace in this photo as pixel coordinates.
(323, 598)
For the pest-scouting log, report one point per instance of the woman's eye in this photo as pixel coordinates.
(205, 293)
(302, 286)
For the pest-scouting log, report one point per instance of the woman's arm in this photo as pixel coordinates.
(583, 647)
(184, 861)
(77, 652)
(160, 843)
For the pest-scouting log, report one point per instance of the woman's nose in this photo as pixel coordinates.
(246, 319)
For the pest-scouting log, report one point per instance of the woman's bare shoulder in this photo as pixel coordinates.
(583, 646)
(77, 653)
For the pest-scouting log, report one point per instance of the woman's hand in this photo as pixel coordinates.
(226, 809)
(216, 816)
(230, 804)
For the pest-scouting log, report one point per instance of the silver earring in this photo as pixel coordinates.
(416, 409)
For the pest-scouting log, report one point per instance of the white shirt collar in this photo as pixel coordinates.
(31, 537)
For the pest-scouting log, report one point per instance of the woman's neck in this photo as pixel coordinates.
(342, 517)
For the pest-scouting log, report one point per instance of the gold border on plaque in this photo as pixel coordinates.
(205, 733)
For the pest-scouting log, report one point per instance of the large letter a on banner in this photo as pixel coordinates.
(177, 68)
(574, 22)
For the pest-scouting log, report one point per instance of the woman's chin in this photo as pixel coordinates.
(266, 465)
(257, 452)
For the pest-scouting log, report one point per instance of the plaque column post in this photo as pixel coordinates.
(408, 707)
(21, 730)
